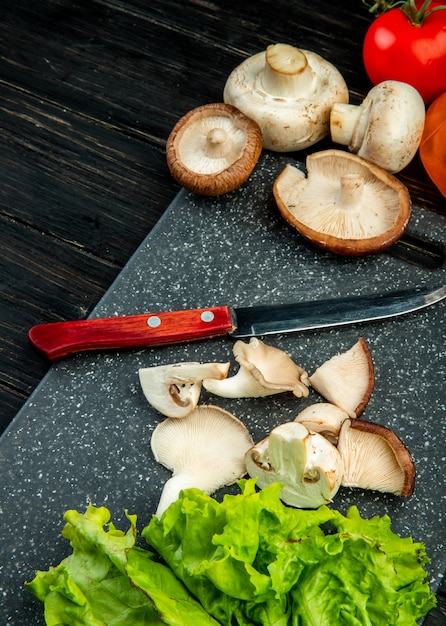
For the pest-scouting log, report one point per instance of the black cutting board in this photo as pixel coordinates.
(84, 435)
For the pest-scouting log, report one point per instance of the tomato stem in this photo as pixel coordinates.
(408, 7)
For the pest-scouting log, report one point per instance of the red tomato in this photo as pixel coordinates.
(394, 49)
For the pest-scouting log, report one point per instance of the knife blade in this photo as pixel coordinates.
(58, 339)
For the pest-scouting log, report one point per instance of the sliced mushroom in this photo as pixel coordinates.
(386, 128)
(289, 92)
(213, 149)
(205, 450)
(345, 204)
(324, 418)
(264, 371)
(375, 458)
(174, 390)
(307, 464)
(347, 379)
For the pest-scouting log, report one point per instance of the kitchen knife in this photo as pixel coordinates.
(58, 339)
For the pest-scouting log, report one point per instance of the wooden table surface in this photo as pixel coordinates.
(90, 90)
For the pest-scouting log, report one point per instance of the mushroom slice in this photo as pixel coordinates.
(348, 379)
(308, 465)
(375, 458)
(323, 418)
(345, 204)
(264, 371)
(289, 92)
(205, 450)
(174, 390)
(213, 149)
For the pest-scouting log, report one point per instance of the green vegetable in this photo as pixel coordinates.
(107, 580)
(248, 560)
(252, 560)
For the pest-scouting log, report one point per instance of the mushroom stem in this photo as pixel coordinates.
(218, 143)
(264, 371)
(242, 385)
(173, 486)
(286, 72)
(351, 190)
(343, 120)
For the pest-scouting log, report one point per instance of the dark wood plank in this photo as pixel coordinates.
(78, 179)
(42, 280)
(73, 191)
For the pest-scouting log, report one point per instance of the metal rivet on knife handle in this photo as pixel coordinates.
(153, 321)
(207, 316)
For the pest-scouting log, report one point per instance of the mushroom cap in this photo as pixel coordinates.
(205, 450)
(213, 149)
(264, 371)
(345, 204)
(324, 418)
(174, 390)
(289, 92)
(347, 379)
(386, 128)
(374, 457)
(308, 465)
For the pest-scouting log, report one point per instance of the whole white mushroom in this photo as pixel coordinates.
(289, 92)
(386, 128)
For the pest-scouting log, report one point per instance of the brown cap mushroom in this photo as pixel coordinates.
(347, 379)
(264, 371)
(213, 149)
(174, 390)
(345, 204)
(205, 450)
(375, 458)
(308, 465)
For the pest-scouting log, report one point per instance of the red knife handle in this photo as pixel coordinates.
(58, 339)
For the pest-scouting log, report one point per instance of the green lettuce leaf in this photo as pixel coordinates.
(253, 560)
(249, 560)
(108, 581)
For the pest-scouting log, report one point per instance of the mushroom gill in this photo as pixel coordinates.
(345, 203)
(347, 379)
(375, 458)
(205, 450)
(324, 418)
(211, 144)
(213, 149)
